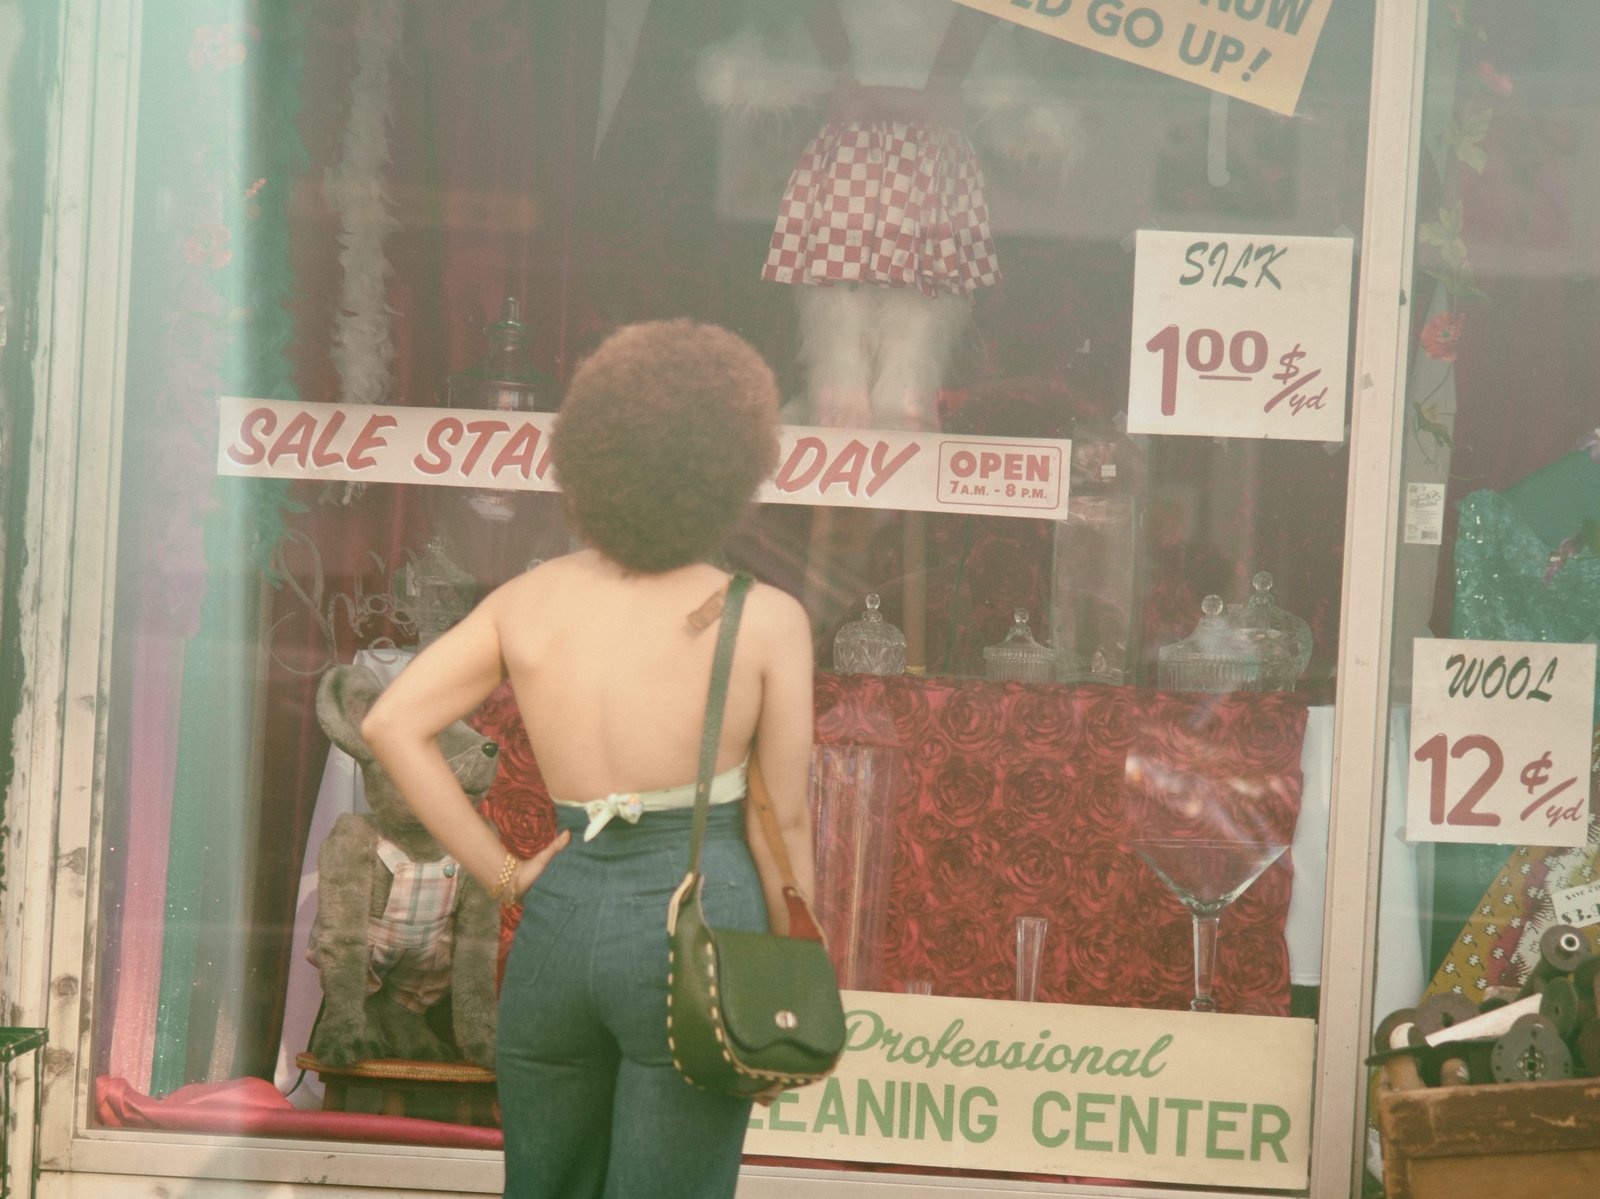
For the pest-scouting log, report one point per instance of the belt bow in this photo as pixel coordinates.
(601, 811)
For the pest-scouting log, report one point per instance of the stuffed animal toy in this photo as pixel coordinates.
(399, 924)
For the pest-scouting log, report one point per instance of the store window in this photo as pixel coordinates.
(1489, 866)
(1062, 489)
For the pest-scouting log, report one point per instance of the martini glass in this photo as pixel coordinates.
(1206, 876)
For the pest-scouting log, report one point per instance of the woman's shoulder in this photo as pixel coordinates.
(777, 611)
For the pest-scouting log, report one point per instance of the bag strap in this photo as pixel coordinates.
(716, 701)
(801, 921)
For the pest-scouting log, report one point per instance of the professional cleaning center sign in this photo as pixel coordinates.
(1156, 1096)
(463, 447)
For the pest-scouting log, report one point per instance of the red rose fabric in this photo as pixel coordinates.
(1013, 799)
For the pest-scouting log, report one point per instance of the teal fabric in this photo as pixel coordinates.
(1503, 548)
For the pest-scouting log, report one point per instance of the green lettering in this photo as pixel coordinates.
(1087, 1115)
(905, 1110)
(1157, 1048)
(1183, 1107)
(1058, 1059)
(883, 1114)
(891, 1044)
(928, 1108)
(1012, 1059)
(863, 1028)
(1033, 1056)
(1216, 1125)
(1090, 1054)
(948, 1035)
(830, 1112)
(775, 1120)
(915, 1051)
(960, 1052)
(1120, 1061)
(1146, 1129)
(1259, 1135)
(983, 1128)
(1049, 1140)
(988, 1056)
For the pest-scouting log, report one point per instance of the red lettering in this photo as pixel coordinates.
(1038, 467)
(253, 450)
(369, 439)
(882, 472)
(295, 440)
(518, 452)
(483, 432)
(1013, 466)
(796, 472)
(963, 463)
(446, 430)
(319, 452)
(846, 468)
(988, 463)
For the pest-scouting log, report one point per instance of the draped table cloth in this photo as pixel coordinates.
(1014, 799)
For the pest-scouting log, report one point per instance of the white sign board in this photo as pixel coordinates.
(1237, 335)
(1200, 1098)
(458, 447)
(1500, 737)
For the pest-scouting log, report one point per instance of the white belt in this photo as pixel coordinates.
(630, 805)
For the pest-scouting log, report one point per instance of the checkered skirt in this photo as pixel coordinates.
(887, 202)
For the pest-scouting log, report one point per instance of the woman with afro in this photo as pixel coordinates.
(661, 441)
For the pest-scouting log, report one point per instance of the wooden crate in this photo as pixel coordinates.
(1509, 1140)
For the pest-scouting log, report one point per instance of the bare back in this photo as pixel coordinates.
(611, 675)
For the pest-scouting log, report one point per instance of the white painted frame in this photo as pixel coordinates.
(69, 527)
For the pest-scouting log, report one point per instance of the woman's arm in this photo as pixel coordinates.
(445, 683)
(783, 752)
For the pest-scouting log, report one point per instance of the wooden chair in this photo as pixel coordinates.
(469, 1088)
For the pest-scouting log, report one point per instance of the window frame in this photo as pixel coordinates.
(69, 531)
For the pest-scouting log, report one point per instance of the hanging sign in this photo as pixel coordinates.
(1200, 1098)
(455, 447)
(1240, 335)
(1500, 739)
(1256, 50)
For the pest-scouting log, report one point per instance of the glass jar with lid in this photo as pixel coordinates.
(870, 645)
(1217, 657)
(1284, 637)
(1018, 658)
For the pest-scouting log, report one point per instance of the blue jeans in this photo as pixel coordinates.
(591, 1103)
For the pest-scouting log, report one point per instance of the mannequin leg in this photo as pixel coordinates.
(835, 325)
(916, 338)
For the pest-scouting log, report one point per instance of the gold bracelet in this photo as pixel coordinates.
(501, 891)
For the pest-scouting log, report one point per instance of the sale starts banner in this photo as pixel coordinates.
(454, 447)
(1237, 335)
(1500, 742)
(981, 1084)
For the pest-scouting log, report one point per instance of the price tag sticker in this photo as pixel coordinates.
(1237, 335)
(1500, 736)
(1578, 906)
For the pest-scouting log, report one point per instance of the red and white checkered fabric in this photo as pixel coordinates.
(885, 202)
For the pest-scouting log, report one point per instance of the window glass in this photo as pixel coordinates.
(1062, 328)
(1488, 869)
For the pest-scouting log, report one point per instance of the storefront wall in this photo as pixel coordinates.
(64, 813)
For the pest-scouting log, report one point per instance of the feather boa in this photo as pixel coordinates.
(362, 348)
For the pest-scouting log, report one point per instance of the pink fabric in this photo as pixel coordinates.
(137, 962)
(254, 1107)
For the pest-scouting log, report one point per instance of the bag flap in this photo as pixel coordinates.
(779, 990)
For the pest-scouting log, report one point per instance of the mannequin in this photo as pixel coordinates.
(884, 229)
